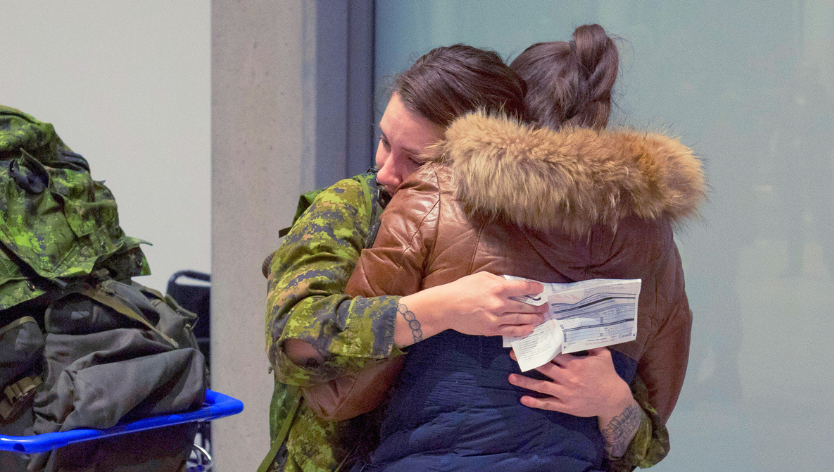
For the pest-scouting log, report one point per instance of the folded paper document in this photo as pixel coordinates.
(581, 315)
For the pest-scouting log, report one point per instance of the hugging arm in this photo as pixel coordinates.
(655, 388)
(633, 432)
(650, 443)
(314, 332)
(478, 304)
(661, 371)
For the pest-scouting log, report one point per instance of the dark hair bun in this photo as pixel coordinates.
(598, 61)
(570, 83)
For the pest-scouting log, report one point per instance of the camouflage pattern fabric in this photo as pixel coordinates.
(306, 281)
(317, 445)
(56, 222)
(305, 300)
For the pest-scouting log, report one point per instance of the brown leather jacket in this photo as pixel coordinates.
(555, 207)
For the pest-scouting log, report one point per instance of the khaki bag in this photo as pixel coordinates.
(117, 352)
(21, 348)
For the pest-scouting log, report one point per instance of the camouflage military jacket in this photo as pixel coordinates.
(306, 280)
(56, 222)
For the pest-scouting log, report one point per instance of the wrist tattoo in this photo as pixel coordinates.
(620, 431)
(413, 324)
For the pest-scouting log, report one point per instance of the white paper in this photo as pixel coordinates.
(580, 316)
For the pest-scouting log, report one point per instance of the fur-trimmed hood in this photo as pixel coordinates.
(570, 179)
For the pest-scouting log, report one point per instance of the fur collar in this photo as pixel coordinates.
(570, 179)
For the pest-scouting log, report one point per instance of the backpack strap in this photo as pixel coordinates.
(14, 324)
(111, 298)
(376, 199)
(280, 440)
(304, 202)
(17, 396)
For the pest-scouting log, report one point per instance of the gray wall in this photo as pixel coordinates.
(127, 86)
(207, 120)
(285, 77)
(258, 51)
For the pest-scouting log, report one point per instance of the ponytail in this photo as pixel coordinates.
(570, 83)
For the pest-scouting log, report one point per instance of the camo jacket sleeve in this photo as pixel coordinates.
(651, 442)
(306, 280)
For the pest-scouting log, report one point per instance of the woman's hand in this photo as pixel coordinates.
(587, 386)
(579, 385)
(480, 304)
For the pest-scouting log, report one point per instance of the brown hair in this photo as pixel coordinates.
(570, 82)
(450, 81)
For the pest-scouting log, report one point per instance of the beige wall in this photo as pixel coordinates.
(126, 85)
(258, 65)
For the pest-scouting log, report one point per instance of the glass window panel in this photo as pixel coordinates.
(750, 86)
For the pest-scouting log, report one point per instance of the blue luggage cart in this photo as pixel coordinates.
(217, 405)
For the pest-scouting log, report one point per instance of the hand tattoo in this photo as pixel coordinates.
(620, 431)
(416, 332)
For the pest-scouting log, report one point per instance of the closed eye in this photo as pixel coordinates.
(384, 141)
(414, 160)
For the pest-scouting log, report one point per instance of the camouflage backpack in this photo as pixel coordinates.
(62, 251)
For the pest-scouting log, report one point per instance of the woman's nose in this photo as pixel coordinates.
(387, 174)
